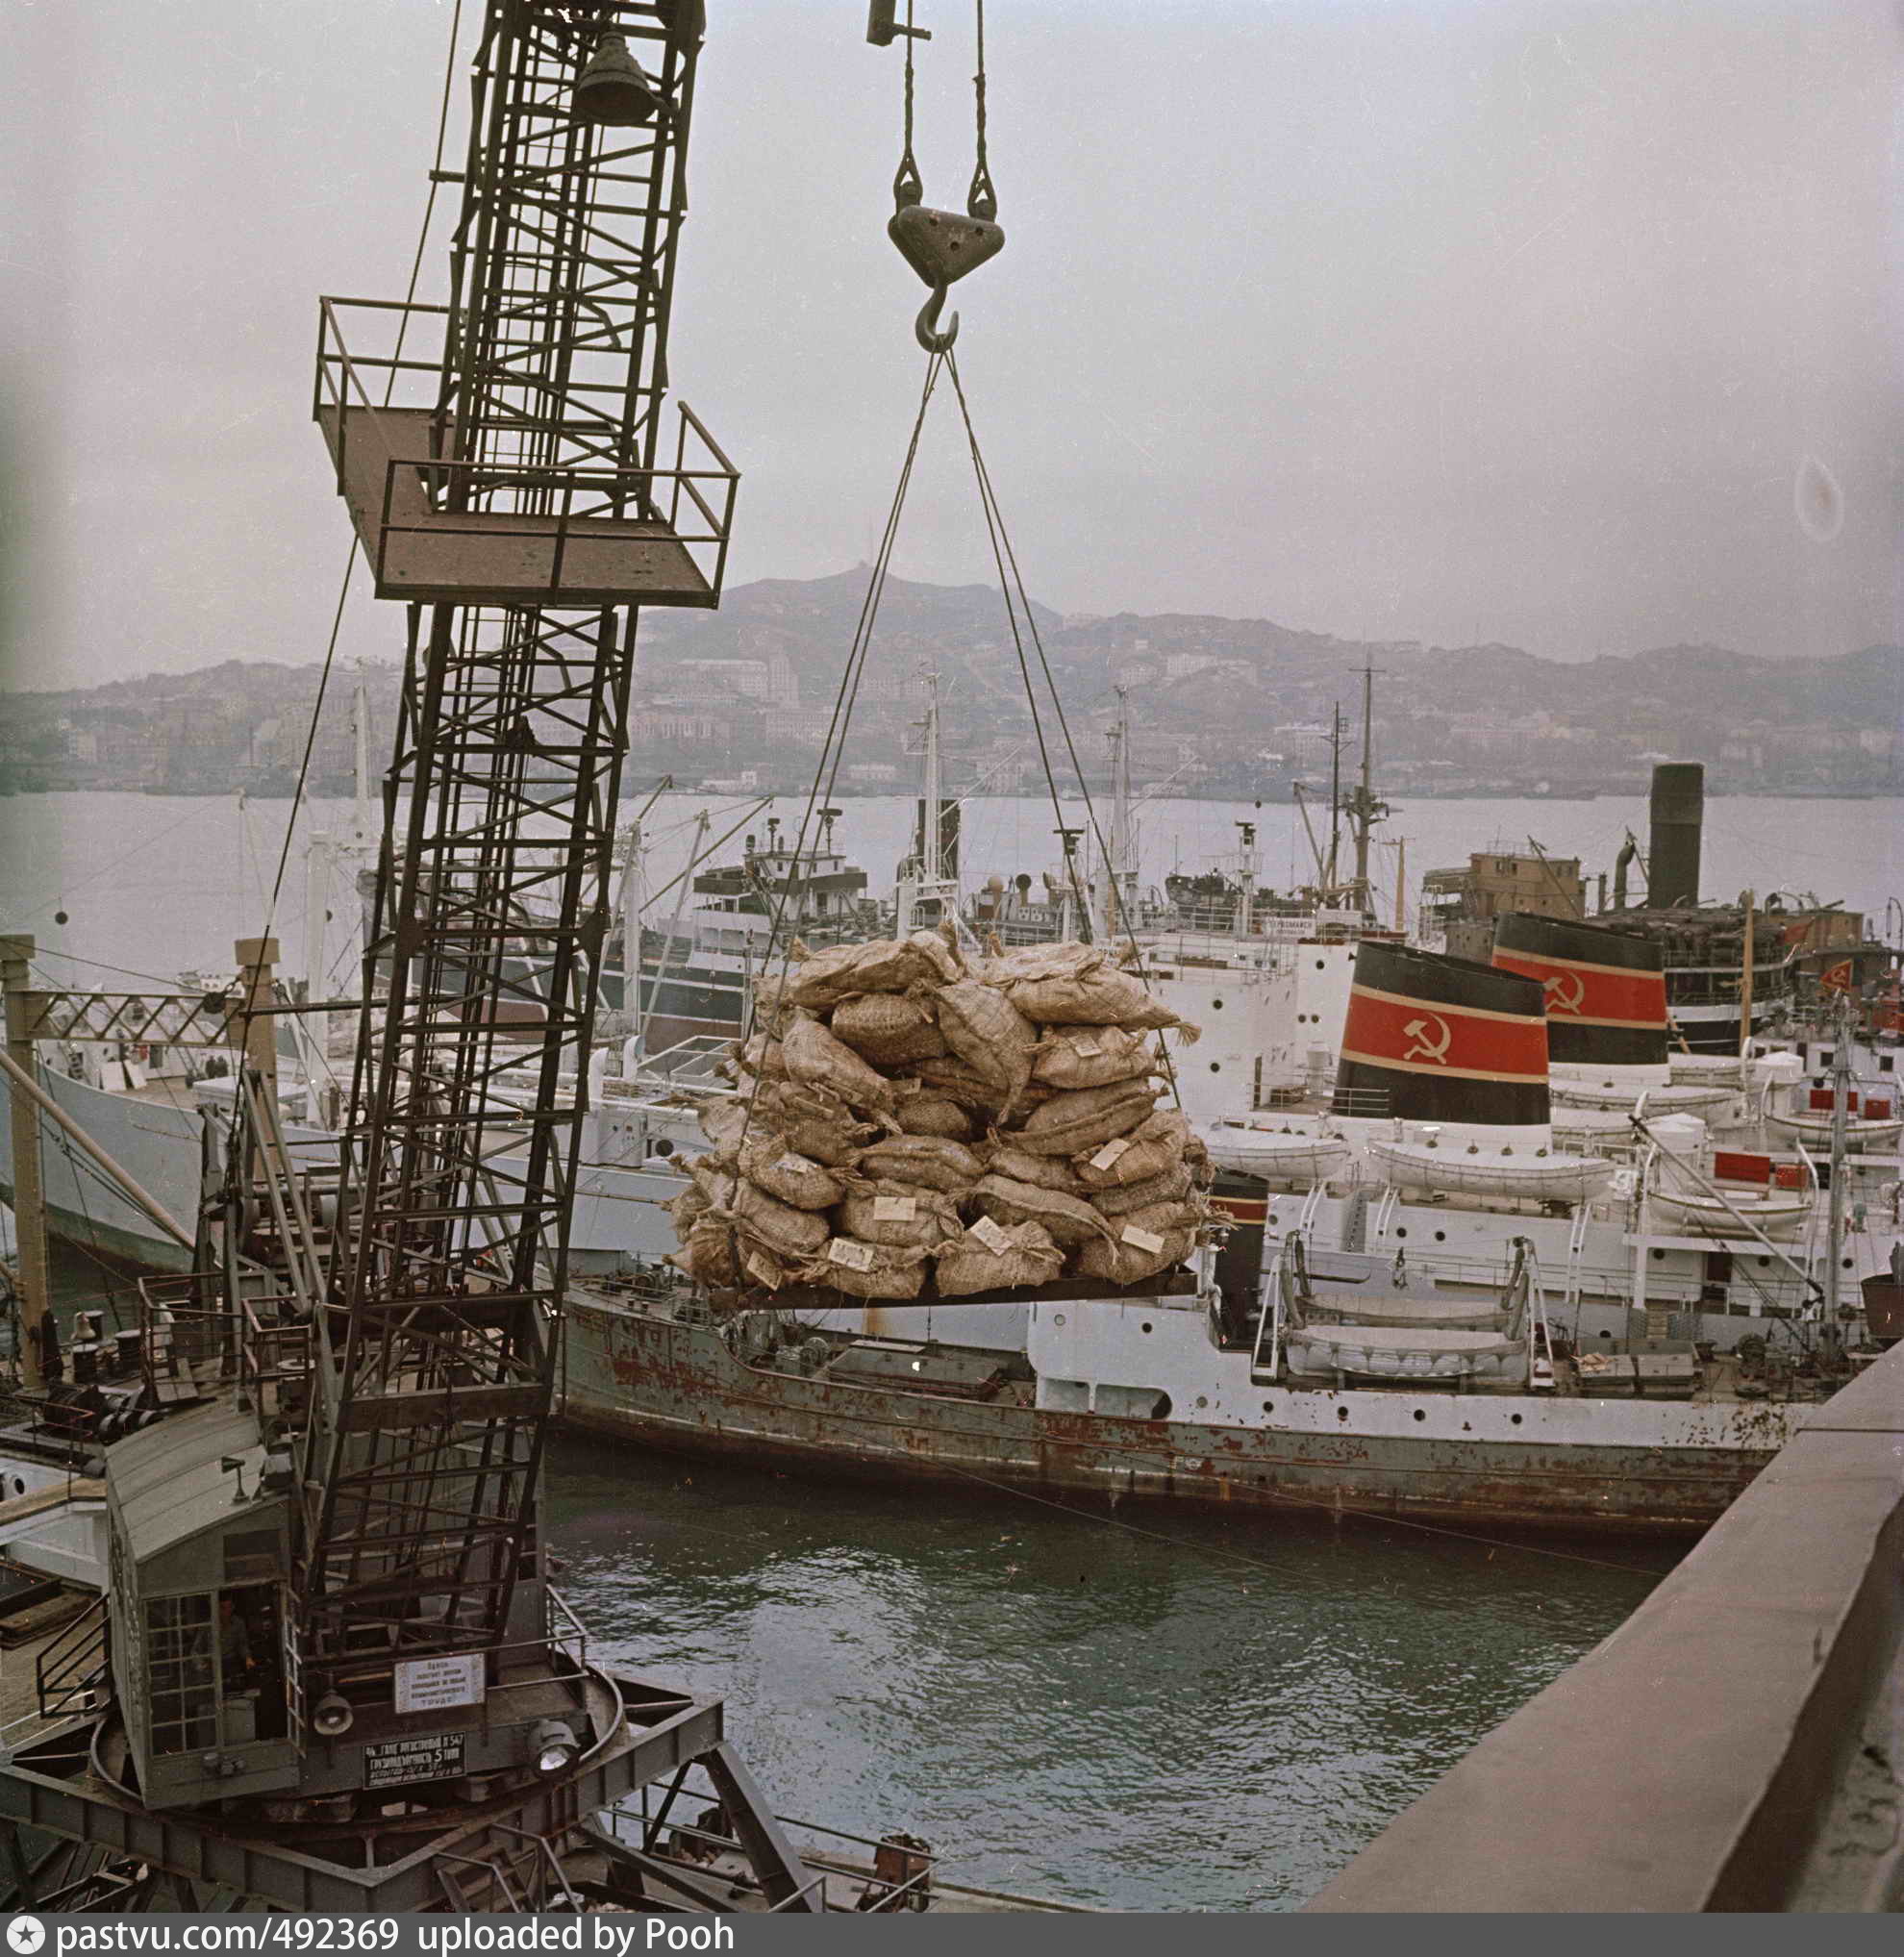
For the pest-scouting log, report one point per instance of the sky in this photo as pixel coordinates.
(1569, 324)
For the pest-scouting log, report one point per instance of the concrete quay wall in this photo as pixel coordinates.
(1737, 1743)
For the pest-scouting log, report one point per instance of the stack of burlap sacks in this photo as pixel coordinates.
(907, 1116)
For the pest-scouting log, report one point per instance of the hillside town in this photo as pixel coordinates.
(1229, 708)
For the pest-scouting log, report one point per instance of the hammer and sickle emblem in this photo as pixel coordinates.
(1565, 992)
(1432, 1036)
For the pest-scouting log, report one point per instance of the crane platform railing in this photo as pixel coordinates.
(404, 487)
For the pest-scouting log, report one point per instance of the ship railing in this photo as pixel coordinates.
(263, 1348)
(668, 496)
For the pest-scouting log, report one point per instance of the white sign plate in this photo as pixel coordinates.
(434, 1685)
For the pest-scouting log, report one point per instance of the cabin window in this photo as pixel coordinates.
(181, 1670)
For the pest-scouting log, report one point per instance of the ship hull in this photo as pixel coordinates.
(640, 1376)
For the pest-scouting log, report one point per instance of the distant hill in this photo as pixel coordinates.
(1221, 705)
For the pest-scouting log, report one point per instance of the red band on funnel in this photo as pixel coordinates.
(1592, 995)
(1386, 1029)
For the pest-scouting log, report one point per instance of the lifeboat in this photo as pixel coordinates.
(1538, 1174)
(1813, 1129)
(1778, 1212)
(1275, 1155)
(1680, 1098)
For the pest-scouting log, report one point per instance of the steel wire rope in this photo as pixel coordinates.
(350, 563)
(106, 870)
(847, 692)
(833, 746)
(1003, 554)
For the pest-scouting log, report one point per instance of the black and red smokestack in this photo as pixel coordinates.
(1434, 1039)
(1605, 989)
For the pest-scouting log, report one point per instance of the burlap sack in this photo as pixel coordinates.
(930, 1113)
(823, 978)
(992, 1257)
(709, 1251)
(813, 1054)
(899, 1216)
(866, 1270)
(1148, 1242)
(1004, 1157)
(1101, 997)
(1063, 960)
(785, 1231)
(930, 1160)
(1068, 1124)
(886, 1029)
(761, 1057)
(1127, 1160)
(790, 1177)
(953, 1080)
(1070, 1219)
(1171, 1185)
(1091, 1057)
(814, 1122)
(990, 1035)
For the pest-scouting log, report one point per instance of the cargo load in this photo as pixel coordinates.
(911, 1122)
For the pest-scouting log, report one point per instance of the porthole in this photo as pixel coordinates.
(1403, 1231)
(1341, 1413)
(1145, 1326)
(1420, 1415)
(1659, 1256)
(1057, 1318)
(663, 1148)
(1441, 1235)
(1765, 1264)
(1201, 1400)
(19, 1485)
(1215, 1005)
(1847, 1264)
(1214, 1067)
(1268, 1406)
(1516, 1418)
(1319, 965)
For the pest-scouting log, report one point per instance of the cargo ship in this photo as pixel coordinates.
(1319, 1357)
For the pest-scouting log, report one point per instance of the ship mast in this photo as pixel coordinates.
(1121, 874)
(926, 895)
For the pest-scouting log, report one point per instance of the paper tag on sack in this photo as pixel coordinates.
(994, 1240)
(1087, 1049)
(760, 1270)
(1146, 1240)
(1110, 1153)
(794, 1164)
(854, 1255)
(895, 1209)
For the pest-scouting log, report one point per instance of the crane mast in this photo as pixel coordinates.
(332, 1669)
(493, 893)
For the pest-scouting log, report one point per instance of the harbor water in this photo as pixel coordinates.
(1112, 1709)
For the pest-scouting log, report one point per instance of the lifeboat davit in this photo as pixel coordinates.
(1275, 1155)
(1539, 1174)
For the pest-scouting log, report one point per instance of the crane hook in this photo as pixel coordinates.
(926, 326)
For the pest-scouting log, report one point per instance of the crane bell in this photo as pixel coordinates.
(613, 89)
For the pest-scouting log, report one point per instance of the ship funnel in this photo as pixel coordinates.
(1678, 815)
(1605, 989)
(1432, 1038)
